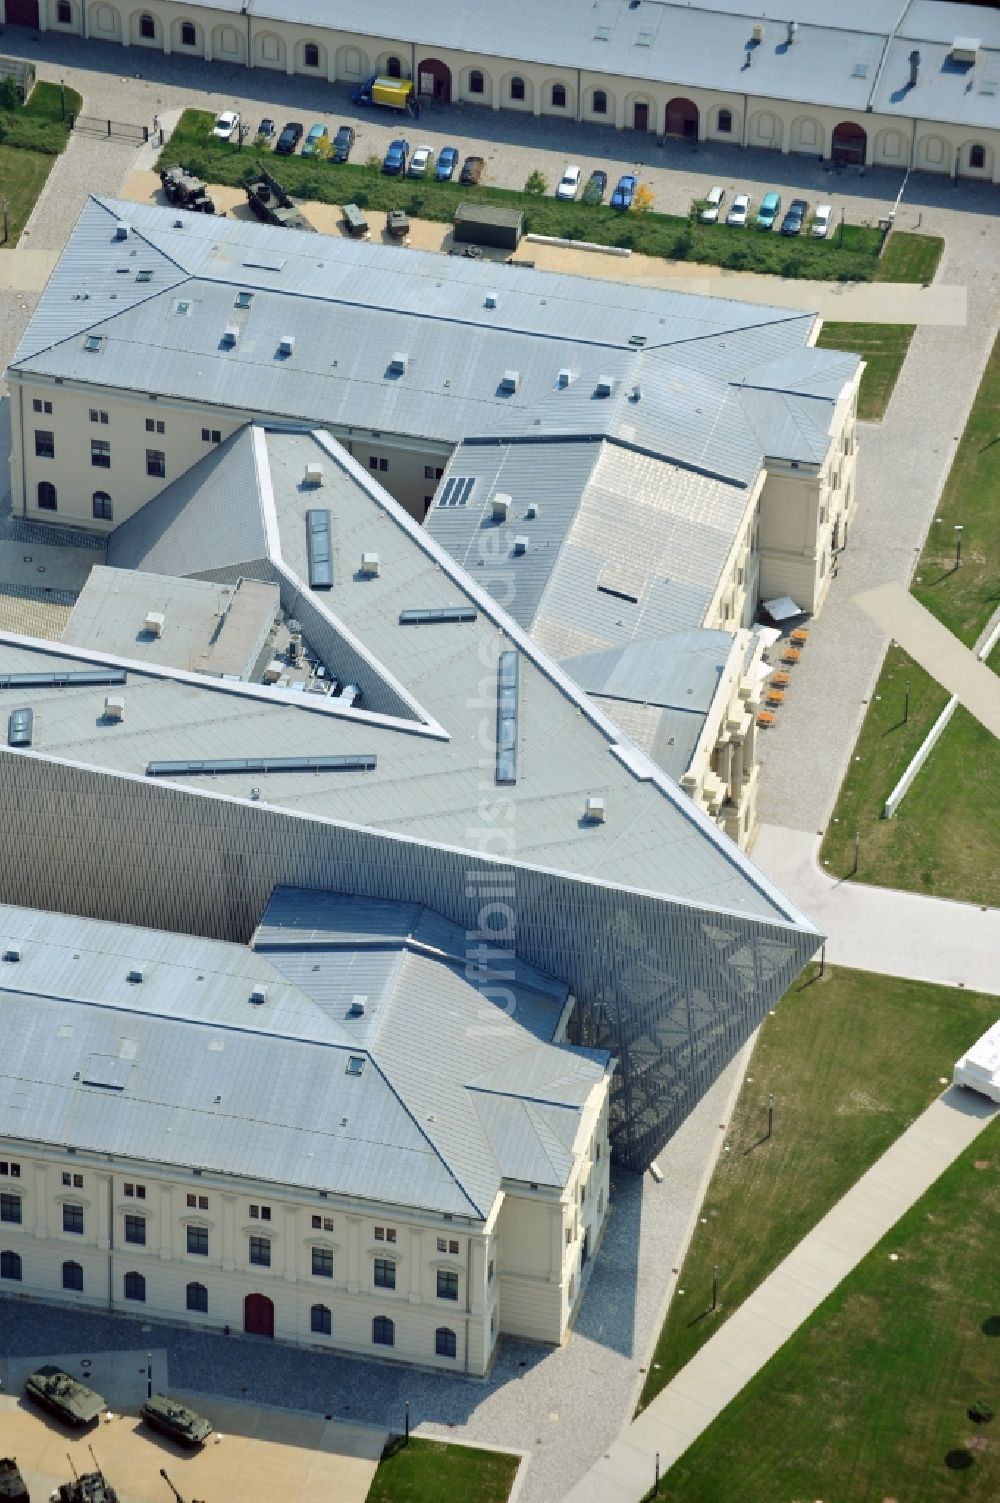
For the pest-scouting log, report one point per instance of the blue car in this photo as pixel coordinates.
(362, 92)
(446, 163)
(624, 192)
(394, 161)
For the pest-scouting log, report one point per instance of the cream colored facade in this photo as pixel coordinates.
(670, 106)
(457, 1284)
(722, 775)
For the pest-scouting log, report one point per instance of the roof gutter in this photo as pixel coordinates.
(880, 70)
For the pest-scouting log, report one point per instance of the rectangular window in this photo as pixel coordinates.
(442, 1244)
(98, 416)
(322, 1223)
(155, 425)
(45, 444)
(64, 13)
(203, 1202)
(10, 1208)
(38, 405)
(390, 1234)
(72, 1277)
(156, 463)
(322, 1263)
(380, 1234)
(197, 1240)
(489, 1271)
(100, 453)
(453, 1247)
(385, 1274)
(14, 1170)
(73, 1219)
(197, 1298)
(211, 436)
(447, 1284)
(260, 1252)
(135, 1230)
(320, 1320)
(191, 1200)
(433, 472)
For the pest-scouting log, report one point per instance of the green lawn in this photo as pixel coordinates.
(429, 1471)
(22, 178)
(653, 234)
(869, 1400)
(945, 837)
(910, 258)
(851, 1059)
(31, 137)
(884, 348)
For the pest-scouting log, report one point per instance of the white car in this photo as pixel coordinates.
(569, 187)
(226, 126)
(821, 221)
(713, 203)
(739, 213)
(421, 161)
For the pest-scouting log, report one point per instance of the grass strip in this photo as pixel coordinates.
(430, 1471)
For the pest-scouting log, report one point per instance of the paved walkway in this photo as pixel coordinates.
(881, 929)
(765, 1321)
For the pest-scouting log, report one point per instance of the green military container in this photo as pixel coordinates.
(489, 224)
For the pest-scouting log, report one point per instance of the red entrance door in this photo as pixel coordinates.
(22, 13)
(682, 119)
(258, 1315)
(640, 118)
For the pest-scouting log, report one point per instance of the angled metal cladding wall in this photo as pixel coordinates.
(673, 991)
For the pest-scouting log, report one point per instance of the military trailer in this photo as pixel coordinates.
(271, 204)
(489, 224)
(185, 190)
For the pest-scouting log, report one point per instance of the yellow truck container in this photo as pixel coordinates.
(394, 93)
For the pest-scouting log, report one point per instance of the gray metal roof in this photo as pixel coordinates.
(680, 671)
(198, 1076)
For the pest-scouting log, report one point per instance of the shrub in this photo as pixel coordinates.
(980, 1413)
(643, 200)
(373, 160)
(536, 184)
(682, 246)
(11, 93)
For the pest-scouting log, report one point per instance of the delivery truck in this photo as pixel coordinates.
(390, 93)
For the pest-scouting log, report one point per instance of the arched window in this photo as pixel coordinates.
(445, 1344)
(72, 1275)
(189, 37)
(393, 67)
(599, 104)
(977, 156)
(725, 122)
(64, 13)
(476, 82)
(558, 96)
(383, 1331)
(103, 508)
(46, 495)
(517, 88)
(10, 1265)
(320, 1320)
(310, 55)
(135, 1286)
(197, 1298)
(147, 26)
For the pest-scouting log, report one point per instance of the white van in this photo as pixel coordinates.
(713, 203)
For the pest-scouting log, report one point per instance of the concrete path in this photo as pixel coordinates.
(765, 1321)
(26, 270)
(937, 650)
(846, 302)
(881, 929)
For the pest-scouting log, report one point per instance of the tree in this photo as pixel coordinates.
(643, 199)
(536, 184)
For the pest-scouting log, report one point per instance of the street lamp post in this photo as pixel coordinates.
(959, 529)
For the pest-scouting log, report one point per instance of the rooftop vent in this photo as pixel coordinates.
(286, 344)
(532, 512)
(370, 564)
(230, 334)
(757, 32)
(511, 381)
(136, 976)
(501, 507)
(491, 300)
(121, 230)
(635, 395)
(399, 362)
(359, 1006)
(565, 377)
(965, 50)
(243, 300)
(154, 623)
(914, 67)
(313, 475)
(521, 543)
(793, 30)
(114, 707)
(355, 1065)
(594, 810)
(350, 694)
(258, 996)
(12, 954)
(605, 386)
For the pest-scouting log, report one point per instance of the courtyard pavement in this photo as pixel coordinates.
(776, 1309)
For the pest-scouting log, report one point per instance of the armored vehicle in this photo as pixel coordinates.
(12, 1488)
(185, 190)
(176, 1420)
(270, 203)
(72, 1402)
(92, 1487)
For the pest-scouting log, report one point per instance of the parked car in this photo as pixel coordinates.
(394, 161)
(290, 137)
(265, 130)
(311, 144)
(821, 221)
(770, 208)
(362, 92)
(226, 125)
(569, 183)
(342, 143)
(446, 163)
(421, 161)
(739, 210)
(624, 192)
(597, 186)
(472, 170)
(795, 218)
(713, 203)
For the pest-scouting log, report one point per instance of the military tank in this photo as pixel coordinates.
(176, 1420)
(92, 1487)
(70, 1401)
(12, 1488)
